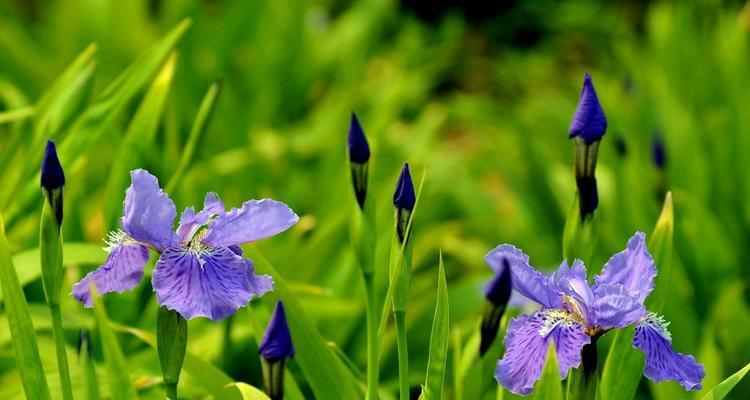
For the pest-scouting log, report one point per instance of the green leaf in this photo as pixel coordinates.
(137, 139)
(201, 119)
(549, 386)
(660, 245)
(117, 367)
(22, 330)
(723, 389)
(623, 367)
(318, 363)
(433, 387)
(245, 392)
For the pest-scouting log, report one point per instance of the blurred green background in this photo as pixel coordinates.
(480, 100)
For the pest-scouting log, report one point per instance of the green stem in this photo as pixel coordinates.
(403, 354)
(171, 390)
(373, 369)
(62, 356)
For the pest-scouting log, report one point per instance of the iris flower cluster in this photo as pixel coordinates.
(200, 271)
(574, 314)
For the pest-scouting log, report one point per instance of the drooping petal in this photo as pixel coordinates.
(526, 343)
(190, 222)
(148, 212)
(526, 280)
(259, 284)
(633, 268)
(662, 362)
(122, 271)
(615, 307)
(212, 284)
(257, 219)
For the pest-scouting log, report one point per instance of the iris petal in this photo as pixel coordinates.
(526, 280)
(122, 271)
(633, 268)
(526, 345)
(662, 362)
(212, 284)
(256, 219)
(148, 211)
(615, 307)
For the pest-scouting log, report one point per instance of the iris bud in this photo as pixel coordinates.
(274, 349)
(359, 156)
(497, 294)
(404, 200)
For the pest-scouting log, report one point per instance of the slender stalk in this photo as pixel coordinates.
(373, 369)
(171, 390)
(62, 356)
(403, 354)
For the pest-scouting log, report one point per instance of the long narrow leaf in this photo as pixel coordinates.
(549, 386)
(120, 385)
(723, 389)
(22, 330)
(319, 364)
(433, 388)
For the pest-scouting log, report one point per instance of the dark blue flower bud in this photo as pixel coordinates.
(589, 122)
(497, 294)
(277, 340)
(658, 155)
(359, 150)
(404, 197)
(52, 172)
(588, 195)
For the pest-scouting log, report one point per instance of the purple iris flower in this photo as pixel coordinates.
(574, 312)
(200, 271)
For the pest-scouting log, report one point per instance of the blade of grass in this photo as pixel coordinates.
(137, 139)
(322, 368)
(201, 119)
(22, 330)
(120, 385)
(722, 390)
(433, 387)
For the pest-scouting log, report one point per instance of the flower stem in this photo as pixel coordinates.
(373, 369)
(403, 354)
(62, 356)
(171, 390)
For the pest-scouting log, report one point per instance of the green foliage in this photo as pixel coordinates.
(436, 364)
(484, 107)
(548, 387)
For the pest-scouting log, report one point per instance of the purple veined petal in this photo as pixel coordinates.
(526, 280)
(213, 284)
(633, 268)
(122, 271)
(615, 307)
(256, 219)
(662, 362)
(190, 222)
(148, 212)
(526, 343)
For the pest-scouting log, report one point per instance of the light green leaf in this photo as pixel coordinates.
(137, 139)
(246, 392)
(622, 369)
(660, 245)
(29, 269)
(723, 389)
(117, 370)
(201, 119)
(549, 386)
(318, 363)
(22, 330)
(433, 387)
